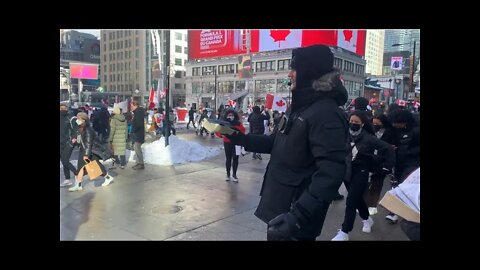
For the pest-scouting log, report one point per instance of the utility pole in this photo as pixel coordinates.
(167, 88)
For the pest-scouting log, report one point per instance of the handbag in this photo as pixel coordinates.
(93, 169)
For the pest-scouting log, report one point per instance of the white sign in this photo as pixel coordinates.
(396, 63)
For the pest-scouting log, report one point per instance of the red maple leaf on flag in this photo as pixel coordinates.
(280, 103)
(348, 35)
(279, 35)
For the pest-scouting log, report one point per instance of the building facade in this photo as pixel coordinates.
(78, 47)
(374, 51)
(270, 76)
(132, 66)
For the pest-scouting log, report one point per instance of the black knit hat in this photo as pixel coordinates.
(311, 63)
(361, 103)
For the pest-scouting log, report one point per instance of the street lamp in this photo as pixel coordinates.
(412, 69)
(215, 95)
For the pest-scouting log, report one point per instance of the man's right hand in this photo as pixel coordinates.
(237, 138)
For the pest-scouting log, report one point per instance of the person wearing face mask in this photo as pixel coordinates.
(383, 131)
(67, 143)
(230, 154)
(407, 142)
(90, 149)
(361, 145)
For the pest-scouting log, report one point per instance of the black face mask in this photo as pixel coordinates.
(355, 127)
(377, 127)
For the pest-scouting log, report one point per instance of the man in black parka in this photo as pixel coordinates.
(307, 163)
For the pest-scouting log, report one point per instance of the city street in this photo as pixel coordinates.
(186, 202)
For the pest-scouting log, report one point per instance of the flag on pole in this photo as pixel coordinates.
(163, 93)
(276, 103)
(152, 99)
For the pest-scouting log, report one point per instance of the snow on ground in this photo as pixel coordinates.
(177, 152)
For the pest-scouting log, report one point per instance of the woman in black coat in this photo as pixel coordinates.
(384, 131)
(90, 149)
(361, 146)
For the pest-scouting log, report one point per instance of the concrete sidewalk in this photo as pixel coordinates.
(186, 202)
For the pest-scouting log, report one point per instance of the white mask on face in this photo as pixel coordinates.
(79, 122)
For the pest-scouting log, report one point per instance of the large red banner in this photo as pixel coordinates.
(215, 43)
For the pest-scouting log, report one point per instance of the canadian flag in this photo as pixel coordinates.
(401, 102)
(275, 103)
(163, 93)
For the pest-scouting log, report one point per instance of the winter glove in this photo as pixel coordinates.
(283, 227)
(237, 138)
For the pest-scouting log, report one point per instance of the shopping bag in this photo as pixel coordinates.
(93, 169)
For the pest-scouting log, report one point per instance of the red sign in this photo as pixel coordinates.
(215, 43)
(83, 71)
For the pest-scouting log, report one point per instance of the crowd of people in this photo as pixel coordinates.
(315, 147)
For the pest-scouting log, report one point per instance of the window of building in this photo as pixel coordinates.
(105, 57)
(178, 49)
(129, 43)
(136, 77)
(178, 61)
(264, 86)
(104, 47)
(113, 65)
(136, 65)
(178, 36)
(226, 69)
(104, 78)
(284, 64)
(114, 88)
(136, 41)
(282, 85)
(196, 88)
(184, 74)
(337, 62)
(196, 71)
(225, 87)
(110, 46)
(104, 68)
(359, 69)
(208, 70)
(185, 50)
(113, 45)
(264, 66)
(185, 37)
(185, 62)
(113, 35)
(137, 53)
(178, 86)
(178, 74)
(348, 66)
(105, 36)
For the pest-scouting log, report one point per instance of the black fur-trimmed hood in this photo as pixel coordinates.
(327, 86)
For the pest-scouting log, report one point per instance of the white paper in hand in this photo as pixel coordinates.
(409, 191)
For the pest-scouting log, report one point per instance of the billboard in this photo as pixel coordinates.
(83, 71)
(396, 63)
(216, 43)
